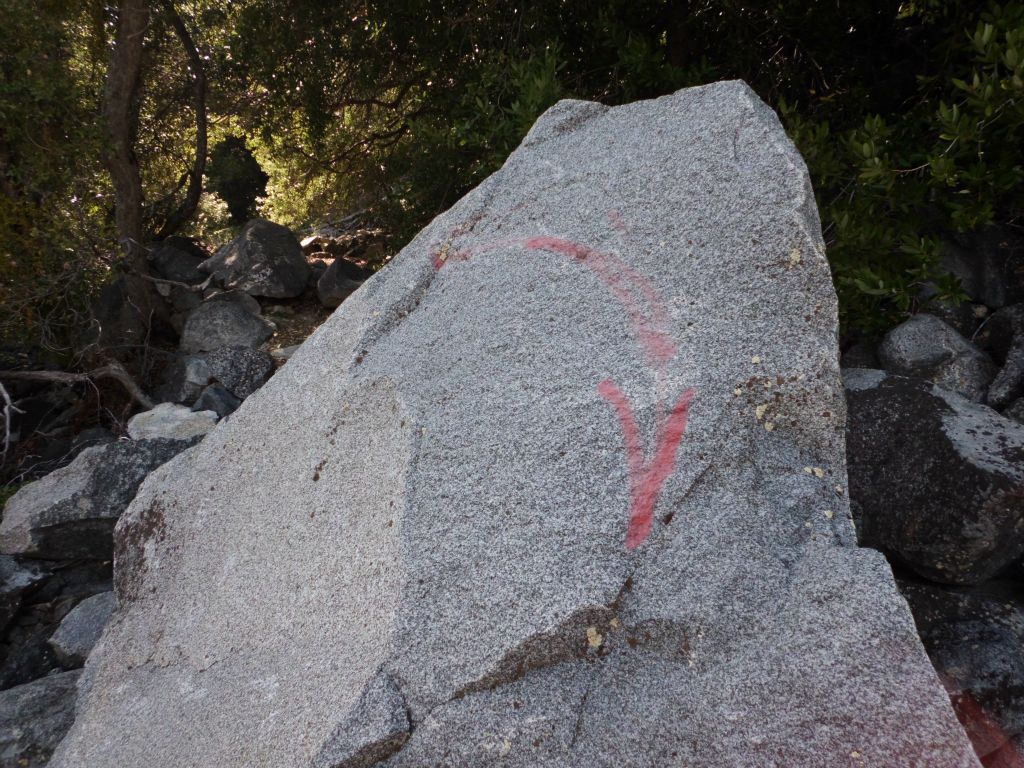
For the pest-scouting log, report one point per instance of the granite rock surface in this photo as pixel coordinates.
(563, 485)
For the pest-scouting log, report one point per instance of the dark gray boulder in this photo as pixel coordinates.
(935, 480)
(71, 512)
(15, 580)
(34, 718)
(224, 320)
(339, 281)
(1005, 337)
(974, 638)
(239, 370)
(927, 348)
(183, 378)
(80, 630)
(556, 487)
(172, 263)
(990, 265)
(1015, 410)
(216, 399)
(264, 260)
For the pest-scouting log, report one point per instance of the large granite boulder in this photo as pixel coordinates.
(34, 718)
(936, 480)
(264, 260)
(71, 512)
(927, 348)
(563, 485)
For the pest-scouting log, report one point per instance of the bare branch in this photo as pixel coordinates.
(8, 408)
(112, 371)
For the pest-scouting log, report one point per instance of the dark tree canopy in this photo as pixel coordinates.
(909, 115)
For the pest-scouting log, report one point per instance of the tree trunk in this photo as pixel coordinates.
(188, 206)
(121, 117)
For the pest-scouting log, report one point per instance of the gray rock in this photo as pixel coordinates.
(264, 260)
(183, 379)
(222, 322)
(927, 348)
(1015, 411)
(34, 718)
(81, 629)
(974, 638)
(935, 480)
(241, 371)
(466, 489)
(339, 281)
(990, 265)
(15, 580)
(175, 264)
(1005, 336)
(218, 400)
(71, 512)
(170, 421)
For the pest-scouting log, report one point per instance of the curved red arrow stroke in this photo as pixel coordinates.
(650, 325)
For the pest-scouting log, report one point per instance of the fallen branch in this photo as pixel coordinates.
(112, 371)
(197, 288)
(8, 408)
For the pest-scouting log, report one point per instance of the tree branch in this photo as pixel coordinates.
(188, 206)
(112, 371)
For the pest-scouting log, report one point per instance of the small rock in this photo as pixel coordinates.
(339, 281)
(71, 512)
(241, 371)
(171, 421)
(1005, 337)
(172, 263)
(264, 260)
(927, 348)
(81, 629)
(935, 480)
(34, 718)
(15, 580)
(217, 399)
(223, 322)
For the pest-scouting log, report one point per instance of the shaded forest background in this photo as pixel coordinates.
(909, 115)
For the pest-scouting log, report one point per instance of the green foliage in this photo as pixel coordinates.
(948, 159)
(52, 194)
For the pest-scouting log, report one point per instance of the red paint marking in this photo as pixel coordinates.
(650, 326)
(646, 478)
